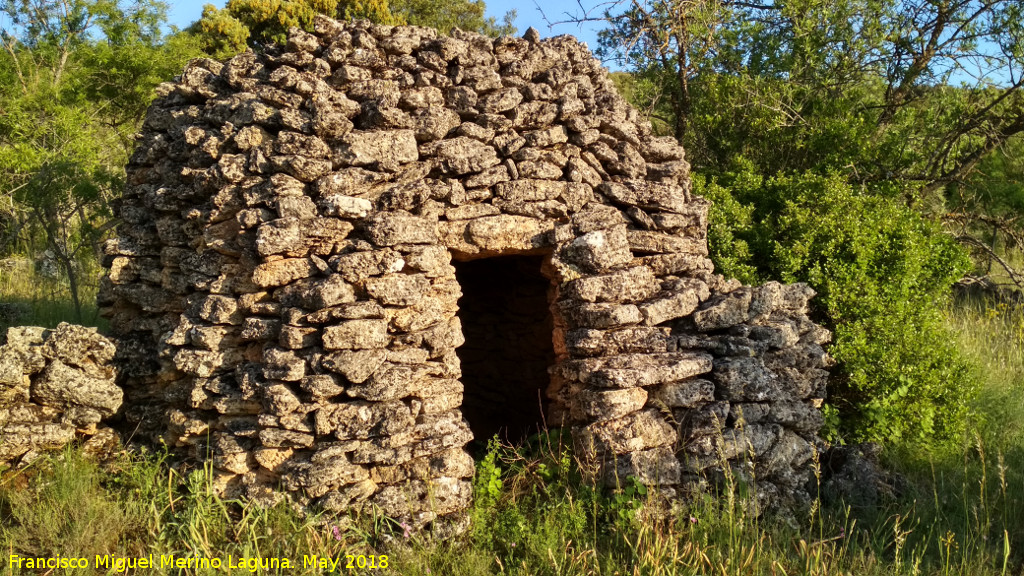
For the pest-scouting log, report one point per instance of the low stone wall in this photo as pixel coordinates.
(769, 374)
(56, 386)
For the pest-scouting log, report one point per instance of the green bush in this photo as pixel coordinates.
(883, 274)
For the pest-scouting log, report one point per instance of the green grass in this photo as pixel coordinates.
(67, 506)
(44, 301)
(541, 517)
(993, 335)
(534, 513)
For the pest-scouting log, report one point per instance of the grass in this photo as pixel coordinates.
(534, 513)
(541, 517)
(993, 335)
(67, 506)
(43, 301)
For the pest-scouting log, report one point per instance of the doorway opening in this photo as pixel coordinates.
(507, 324)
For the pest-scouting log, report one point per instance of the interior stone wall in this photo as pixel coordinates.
(507, 323)
(283, 287)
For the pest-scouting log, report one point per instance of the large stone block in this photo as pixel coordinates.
(388, 150)
(389, 229)
(356, 335)
(630, 285)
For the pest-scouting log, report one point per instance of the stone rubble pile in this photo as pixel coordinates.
(283, 287)
(56, 386)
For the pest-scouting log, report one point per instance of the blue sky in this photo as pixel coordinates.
(529, 13)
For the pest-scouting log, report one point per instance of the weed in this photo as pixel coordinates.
(538, 511)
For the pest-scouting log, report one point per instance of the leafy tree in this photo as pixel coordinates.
(256, 23)
(221, 34)
(906, 92)
(895, 104)
(446, 15)
(985, 212)
(77, 78)
(227, 31)
(882, 273)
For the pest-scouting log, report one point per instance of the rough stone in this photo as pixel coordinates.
(55, 387)
(389, 229)
(295, 288)
(629, 285)
(724, 311)
(684, 394)
(356, 335)
(388, 150)
(631, 370)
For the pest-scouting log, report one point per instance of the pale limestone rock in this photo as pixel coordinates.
(386, 149)
(630, 285)
(599, 405)
(356, 335)
(55, 387)
(346, 206)
(683, 394)
(397, 289)
(356, 366)
(389, 229)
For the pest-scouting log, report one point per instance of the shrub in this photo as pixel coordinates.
(882, 273)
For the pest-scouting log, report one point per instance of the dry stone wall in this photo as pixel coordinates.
(284, 290)
(56, 386)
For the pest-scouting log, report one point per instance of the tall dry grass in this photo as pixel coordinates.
(957, 511)
(32, 298)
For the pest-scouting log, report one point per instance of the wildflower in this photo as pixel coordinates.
(336, 532)
(693, 520)
(406, 530)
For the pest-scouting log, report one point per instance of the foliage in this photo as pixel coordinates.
(911, 93)
(259, 23)
(729, 222)
(76, 80)
(66, 515)
(896, 100)
(914, 97)
(628, 501)
(227, 31)
(66, 505)
(447, 15)
(882, 273)
(487, 489)
(220, 33)
(991, 332)
(984, 213)
(30, 295)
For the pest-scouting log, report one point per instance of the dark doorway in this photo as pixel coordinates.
(507, 323)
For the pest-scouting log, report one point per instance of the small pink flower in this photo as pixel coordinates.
(693, 520)
(336, 532)
(406, 530)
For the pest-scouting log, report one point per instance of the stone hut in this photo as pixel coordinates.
(341, 261)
